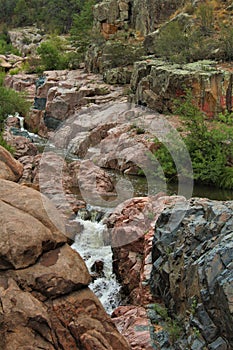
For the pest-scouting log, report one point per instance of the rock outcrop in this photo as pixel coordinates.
(10, 61)
(44, 295)
(10, 169)
(143, 16)
(156, 84)
(192, 269)
(26, 39)
(178, 278)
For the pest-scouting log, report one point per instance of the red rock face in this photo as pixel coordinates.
(134, 324)
(132, 222)
(133, 265)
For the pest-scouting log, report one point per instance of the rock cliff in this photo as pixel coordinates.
(180, 273)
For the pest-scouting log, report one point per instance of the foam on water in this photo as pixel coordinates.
(90, 245)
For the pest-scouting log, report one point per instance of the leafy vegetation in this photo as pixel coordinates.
(210, 148)
(53, 54)
(172, 326)
(52, 15)
(5, 43)
(10, 102)
(81, 30)
(208, 36)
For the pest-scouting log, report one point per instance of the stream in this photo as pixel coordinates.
(90, 245)
(90, 242)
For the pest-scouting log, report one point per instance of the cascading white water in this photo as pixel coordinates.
(21, 121)
(90, 245)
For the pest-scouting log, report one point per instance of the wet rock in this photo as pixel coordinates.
(10, 169)
(23, 145)
(97, 270)
(131, 235)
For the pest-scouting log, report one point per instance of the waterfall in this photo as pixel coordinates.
(21, 121)
(90, 245)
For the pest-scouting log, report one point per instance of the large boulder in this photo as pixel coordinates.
(180, 274)
(44, 295)
(10, 169)
(27, 231)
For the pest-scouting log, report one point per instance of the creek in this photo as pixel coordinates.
(90, 245)
(90, 242)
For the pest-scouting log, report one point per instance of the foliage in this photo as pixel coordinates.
(4, 144)
(210, 148)
(81, 28)
(182, 41)
(5, 43)
(172, 326)
(11, 102)
(52, 15)
(52, 54)
(226, 40)
(173, 43)
(165, 159)
(205, 14)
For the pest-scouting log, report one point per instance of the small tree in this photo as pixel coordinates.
(81, 27)
(226, 38)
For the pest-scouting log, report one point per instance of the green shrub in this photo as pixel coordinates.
(53, 54)
(81, 28)
(4, 144)
(226, 42)
(205, 14)
(173, 43)
(11, 102)
(210, 149)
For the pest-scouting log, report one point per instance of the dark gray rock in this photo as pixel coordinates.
(192, 268)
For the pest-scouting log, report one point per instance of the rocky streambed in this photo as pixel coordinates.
(172, 256)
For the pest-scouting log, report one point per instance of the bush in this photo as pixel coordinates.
(205, 15)
(52, 54)
(210, 149)
(11, 102)
(226, 41)
(173, 43)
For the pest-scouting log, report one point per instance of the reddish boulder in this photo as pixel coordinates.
(10, 169)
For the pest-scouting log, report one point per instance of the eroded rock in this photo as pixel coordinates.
(193, 263)
(10, 169)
